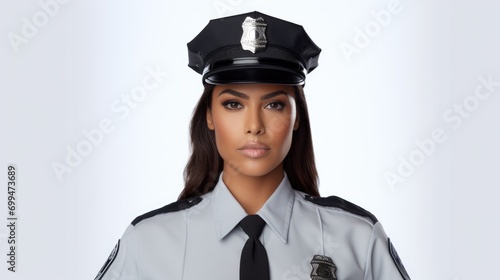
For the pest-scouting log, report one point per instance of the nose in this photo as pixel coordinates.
(254, 123)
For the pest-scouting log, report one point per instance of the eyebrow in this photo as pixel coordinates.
(244, 96)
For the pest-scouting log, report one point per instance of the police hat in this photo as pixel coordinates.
(253, 48)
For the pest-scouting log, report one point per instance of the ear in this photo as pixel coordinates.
(297, 121)
(210, 121)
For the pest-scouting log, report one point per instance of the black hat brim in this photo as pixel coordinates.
(255, 70)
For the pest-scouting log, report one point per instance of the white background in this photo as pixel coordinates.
(368, 110)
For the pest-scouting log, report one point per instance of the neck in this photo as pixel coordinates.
(252, 192)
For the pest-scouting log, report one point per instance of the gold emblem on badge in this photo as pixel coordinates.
(254, 34)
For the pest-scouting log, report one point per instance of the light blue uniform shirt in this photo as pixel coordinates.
(201, 239)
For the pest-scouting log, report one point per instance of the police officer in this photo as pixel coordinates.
(250, 208)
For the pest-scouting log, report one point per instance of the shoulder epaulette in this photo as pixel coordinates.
(335, 201)
(172, 207)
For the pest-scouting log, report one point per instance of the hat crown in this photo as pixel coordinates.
(252, 35)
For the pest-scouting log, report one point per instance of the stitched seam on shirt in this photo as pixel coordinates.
(322, 233)
(335, 209)
(134, 236)
(286, 225)
(185, 244)
(369, 250)
(124, 265)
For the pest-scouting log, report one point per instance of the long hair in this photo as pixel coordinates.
(205, 164)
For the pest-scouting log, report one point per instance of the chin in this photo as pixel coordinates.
(253, 168)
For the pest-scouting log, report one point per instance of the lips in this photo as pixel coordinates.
(254, 150)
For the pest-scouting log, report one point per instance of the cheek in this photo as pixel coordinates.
(225, 129)
(281, 129)
(280, 124)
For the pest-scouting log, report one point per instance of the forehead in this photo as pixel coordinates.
(254, 89)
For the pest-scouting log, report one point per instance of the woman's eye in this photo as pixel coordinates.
(275, 105)
(232, 105)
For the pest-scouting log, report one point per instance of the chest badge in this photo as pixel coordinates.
(323, 268)
(254, 34)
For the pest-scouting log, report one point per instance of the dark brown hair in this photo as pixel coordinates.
(205, 164)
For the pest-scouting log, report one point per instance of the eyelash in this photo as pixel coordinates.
(227, 105)
(231, 102)
(280, 104)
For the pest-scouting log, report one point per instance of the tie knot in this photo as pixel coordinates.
(252, 225)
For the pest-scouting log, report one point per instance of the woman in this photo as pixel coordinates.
(250, 208)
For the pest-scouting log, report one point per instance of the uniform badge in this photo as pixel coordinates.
(397, 261)
(254, 34)
(323, 268)
(108, 262)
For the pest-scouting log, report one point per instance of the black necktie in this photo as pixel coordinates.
(253, 264)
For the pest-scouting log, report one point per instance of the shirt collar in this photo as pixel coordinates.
(277, 211)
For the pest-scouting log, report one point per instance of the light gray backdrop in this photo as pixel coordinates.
(96, 98)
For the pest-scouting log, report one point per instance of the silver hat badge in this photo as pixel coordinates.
(254, 34)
